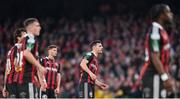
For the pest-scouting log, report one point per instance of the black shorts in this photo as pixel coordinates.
(27, 90)
(49, 93)
(152, 86)
(12, 89)
(86, 90)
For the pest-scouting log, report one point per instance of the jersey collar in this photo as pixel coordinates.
(18, 45)
(158, 25)
(49, 58)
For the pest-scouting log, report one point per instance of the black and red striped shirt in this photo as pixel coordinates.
(28, 71)
(11, 68)
(53, 68)
(92, 65)
(157, 40)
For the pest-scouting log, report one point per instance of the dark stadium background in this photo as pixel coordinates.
(74, 8)
(55, 15)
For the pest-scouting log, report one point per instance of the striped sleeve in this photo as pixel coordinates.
(59, 68)
(155, 39)
(88, 56)
(30, 43)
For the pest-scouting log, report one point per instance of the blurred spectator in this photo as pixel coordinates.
(123, 39)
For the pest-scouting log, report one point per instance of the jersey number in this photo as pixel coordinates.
(19, 62)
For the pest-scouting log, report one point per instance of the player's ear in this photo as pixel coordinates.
(93, 47)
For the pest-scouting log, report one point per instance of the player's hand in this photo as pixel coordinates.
(4, 92)
(104, 86)
(93, 76)
(168, 85)
(57, 90)
(43, 86)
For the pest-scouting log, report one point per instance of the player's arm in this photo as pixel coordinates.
(42, 78)
(5, 79)
(84, 66)
(4, 88)
(15, 56)
(58, 80)
(29, 56)
(155, 50)
(157, 62)
(42, 81)
(6, 73)
(101, 84)
(155, 58)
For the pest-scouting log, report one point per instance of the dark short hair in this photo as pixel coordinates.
(18, 33)
(156, 11)
(29, 21)
(93, 43)
(51, 46)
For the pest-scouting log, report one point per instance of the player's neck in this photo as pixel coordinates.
(161, 23)
(19, 41)
(30, 33)
(96, 54)
(51, 57)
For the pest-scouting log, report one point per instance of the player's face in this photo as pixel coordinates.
(54, 52)
(36, 28)
(99, 47)
(168, 15)
(22, 36)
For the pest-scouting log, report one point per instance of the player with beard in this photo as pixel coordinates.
(89, 70)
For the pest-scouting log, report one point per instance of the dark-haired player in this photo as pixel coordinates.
(53, 76)
(89, 70)
(11, 72)
(157, 81)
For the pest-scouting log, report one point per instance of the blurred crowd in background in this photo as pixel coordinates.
(122, 36)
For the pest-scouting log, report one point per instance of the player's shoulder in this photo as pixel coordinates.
(57, 64)
(17, 45)
(88, 54)
(43, 58)
(29, 38)
(10, 50)
(155, 30)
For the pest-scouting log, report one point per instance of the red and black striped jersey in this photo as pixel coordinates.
(157, 40)
(26, 70)
(93, 67)
(10, 65)
(12, 57)
(53, 68)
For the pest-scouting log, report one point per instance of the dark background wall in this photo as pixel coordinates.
(75, 8)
